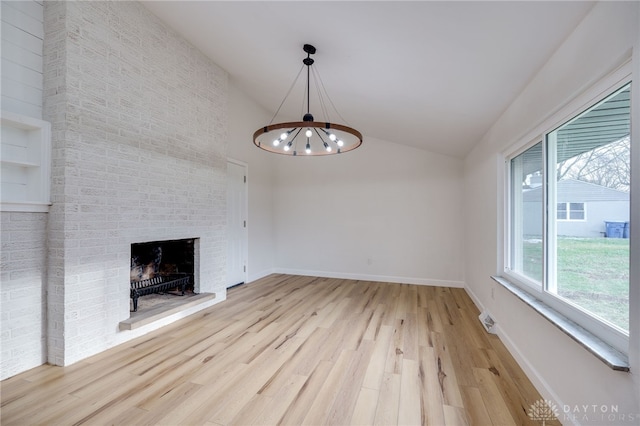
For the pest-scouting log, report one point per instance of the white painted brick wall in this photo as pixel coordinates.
(22, 274)
(23, 235)
(139, 124)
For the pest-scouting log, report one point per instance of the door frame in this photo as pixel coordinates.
(245, 234)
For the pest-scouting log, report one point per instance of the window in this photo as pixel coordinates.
(570, 211)
(526, 219)
(555, 250)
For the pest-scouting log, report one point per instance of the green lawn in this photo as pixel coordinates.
(592, 273)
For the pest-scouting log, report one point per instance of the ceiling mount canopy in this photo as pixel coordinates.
(308, 137)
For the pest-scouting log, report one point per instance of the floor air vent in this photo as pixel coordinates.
(487, 322)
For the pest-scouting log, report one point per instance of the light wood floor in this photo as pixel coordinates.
(293, 350)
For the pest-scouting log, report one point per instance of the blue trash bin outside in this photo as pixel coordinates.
(614, 229)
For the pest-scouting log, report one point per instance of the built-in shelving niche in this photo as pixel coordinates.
(25, 159)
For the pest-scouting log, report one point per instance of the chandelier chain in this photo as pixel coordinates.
(323, 106)
(287, 95)
(329, 97)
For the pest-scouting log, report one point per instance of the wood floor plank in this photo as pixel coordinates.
(375, 369)
(364, 411)
(55, 406)
(431, 395)
(335, 314)
(474, 405)
(267, 410)
(247, 385)
(131, 416)
(460, 351)
(216, 366)
(302, 402)
(498, 410)
(293, 350)
(447, 376)
(395, 354)
(410, 337)
(349, 390)
(302, 363)
(388, 400)
(327, 394)
(375, 322)
(196, 409)
(455, 416)
(410, 408)
(96, 403)
(433, 316)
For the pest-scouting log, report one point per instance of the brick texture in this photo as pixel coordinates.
(23, 277)
(139, 126)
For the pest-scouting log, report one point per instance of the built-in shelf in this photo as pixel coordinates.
(19, 163)
(25, 158)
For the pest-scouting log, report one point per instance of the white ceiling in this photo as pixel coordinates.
(433, 75)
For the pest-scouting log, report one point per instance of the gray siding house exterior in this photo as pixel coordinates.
(583, 209)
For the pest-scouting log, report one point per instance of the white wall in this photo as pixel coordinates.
(384, 212)
(560, 368)
(245, 117)
(23, 278)
(22, 35)
(23, 234)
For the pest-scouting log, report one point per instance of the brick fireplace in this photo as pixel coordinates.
(139, 123)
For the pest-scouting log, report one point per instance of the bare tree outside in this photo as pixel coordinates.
(608, 165)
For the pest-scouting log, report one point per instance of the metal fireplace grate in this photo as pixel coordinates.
(158, 284)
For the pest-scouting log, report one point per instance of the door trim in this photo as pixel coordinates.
(245, 234)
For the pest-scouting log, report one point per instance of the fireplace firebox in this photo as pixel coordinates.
(162, 267)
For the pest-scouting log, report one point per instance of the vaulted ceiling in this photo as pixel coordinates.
(433, 75)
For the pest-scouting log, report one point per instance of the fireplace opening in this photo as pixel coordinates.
(163, 268)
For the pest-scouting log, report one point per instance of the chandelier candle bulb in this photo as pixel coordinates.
(345, 137)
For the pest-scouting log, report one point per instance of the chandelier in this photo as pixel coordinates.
(308, 137)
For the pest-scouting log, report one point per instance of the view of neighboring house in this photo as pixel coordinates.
(582, 209)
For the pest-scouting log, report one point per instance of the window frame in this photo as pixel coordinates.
(604, 88)
(568, 211)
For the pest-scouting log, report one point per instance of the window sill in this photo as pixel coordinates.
(603, 351)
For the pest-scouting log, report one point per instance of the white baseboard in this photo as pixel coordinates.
(475, 299)
(537, 380)
(366, 277)
(532, 374)
(259, 275)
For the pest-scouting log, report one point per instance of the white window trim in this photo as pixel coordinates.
(568, 210)
(612, 335)
(605, 352)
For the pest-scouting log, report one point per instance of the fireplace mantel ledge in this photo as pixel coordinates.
(162, 311)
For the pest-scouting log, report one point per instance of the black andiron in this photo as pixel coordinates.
(158, 284)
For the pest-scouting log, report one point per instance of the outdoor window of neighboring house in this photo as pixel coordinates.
(584, 276)
(570, 211)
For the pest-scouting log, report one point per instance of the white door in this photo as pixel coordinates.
(236, 223)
